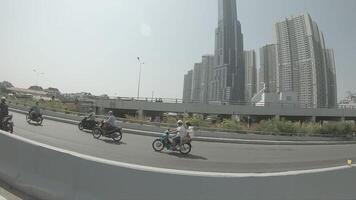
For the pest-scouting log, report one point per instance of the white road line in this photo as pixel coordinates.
(2, 198)
(176, 171)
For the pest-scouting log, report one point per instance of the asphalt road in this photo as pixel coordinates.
(210, 157)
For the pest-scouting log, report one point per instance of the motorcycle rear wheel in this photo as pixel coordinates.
(97, 133)
(119, 136)
(185, 148)
(80, 126)
(40, 121)
(10, 128)
(28, 119)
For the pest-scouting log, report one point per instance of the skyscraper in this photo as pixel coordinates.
(198, 78)
(250, 74)
(268, 68)
(208, 64)
(197, 81)
(187, 88)
(228, 83)
(331, 77)
(302, 60)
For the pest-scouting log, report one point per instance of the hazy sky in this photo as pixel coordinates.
(87, 45)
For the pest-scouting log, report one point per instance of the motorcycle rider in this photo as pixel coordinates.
(4, 110)
(91, 119)
(180, 132)
(35, 111)
(111, 122)
(91, 116)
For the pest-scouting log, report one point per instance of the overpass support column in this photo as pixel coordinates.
(277, 117)
(313, 118)
(343, 119)
(140, 114)
(236, 117)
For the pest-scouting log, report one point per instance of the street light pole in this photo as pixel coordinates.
(139, 78)
(37, 75)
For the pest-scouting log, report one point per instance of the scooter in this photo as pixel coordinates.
(103, 130)
(38, 119)
(165, 141)
(7, 124)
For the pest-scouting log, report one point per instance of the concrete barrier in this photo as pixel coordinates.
(50, 173)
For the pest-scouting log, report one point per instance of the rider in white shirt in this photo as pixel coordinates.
(181, 132)
(111, 120)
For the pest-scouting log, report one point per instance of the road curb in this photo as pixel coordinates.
(205, 139)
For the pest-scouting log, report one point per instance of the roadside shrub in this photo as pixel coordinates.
(337, 128)
(268, 126)
(310, 128)
(231, 124)
(287, 126)
(197, 121)
(170, 119)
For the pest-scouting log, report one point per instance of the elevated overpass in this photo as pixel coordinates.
(147, 107)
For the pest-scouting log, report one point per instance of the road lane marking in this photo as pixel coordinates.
(2, 198)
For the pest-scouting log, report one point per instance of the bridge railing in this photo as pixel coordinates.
(237, 103)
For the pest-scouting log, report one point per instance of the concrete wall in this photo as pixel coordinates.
(50, 173)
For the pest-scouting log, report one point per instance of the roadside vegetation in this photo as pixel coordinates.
(280, 127)
(54, 105)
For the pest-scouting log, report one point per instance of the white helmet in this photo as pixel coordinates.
(3, 98)
(180, 122)
(110, 112)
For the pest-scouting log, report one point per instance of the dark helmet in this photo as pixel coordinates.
(188, 124)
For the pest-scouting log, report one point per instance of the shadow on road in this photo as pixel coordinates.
(87, 131)
(34, 124)
(189, 156)
(110, 141)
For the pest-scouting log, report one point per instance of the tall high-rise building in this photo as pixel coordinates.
(198, 78)
(187, 88)
(302, 60)
(331, 78)
(208, 64)
(197, 81)
(268, 68)
(250, 74)
(228, 83)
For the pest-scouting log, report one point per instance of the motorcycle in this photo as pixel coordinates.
(37, 119)
(87, 124)
(103, 130)
(7, 124)
(165, 141)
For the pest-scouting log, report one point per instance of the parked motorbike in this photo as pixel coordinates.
(7, 124)
(37, 119)
(165, 141)
(103, 130)
(87, 124)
